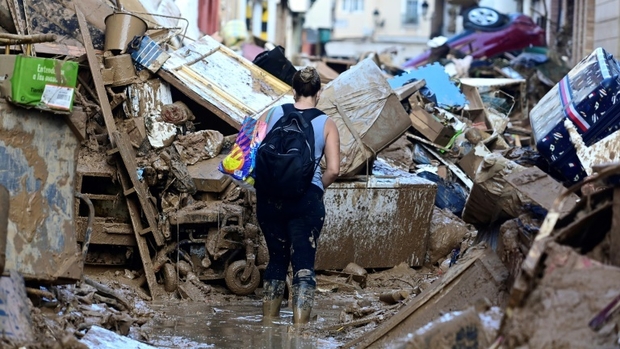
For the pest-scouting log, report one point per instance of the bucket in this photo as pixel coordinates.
(120, 29)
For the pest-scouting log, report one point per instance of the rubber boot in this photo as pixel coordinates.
(273, 292)
(303, 300)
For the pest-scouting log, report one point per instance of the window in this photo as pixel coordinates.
(411, 12)
(352, 5)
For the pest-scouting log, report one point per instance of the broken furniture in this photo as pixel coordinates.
(218, 79)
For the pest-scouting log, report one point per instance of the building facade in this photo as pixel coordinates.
(375, 25)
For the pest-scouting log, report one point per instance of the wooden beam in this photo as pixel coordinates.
(60, 49)
(106, 110)
(457, 171)
(77, 122)
(420, 139)
(134, 185)
(439, 297)
(406, 91)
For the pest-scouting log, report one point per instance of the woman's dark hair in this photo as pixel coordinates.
(306, 82)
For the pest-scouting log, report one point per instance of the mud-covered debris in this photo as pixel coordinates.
(180, 179)
(98, 337)
(447, 233)
(515, 239)
(572, 290)
(207, 176)
(458, 329)
(198, 146)
(356, 273)
(394, 296)
(477, 276)
(492, 197)
(399, 154)
(177, 113)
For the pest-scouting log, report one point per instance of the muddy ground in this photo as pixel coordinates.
(346, 308)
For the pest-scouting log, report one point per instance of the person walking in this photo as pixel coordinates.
(291, 219)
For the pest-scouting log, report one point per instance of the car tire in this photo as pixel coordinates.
(483, 18)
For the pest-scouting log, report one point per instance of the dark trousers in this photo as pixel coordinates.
(291, 229)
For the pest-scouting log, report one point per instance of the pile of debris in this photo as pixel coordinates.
(430, 166)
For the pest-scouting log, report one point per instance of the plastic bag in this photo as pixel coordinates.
(450, 195)
(239, 163)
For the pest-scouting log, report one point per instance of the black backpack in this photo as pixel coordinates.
(285, 159)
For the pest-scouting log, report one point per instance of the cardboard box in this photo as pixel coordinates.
(207, 177)
(429, 125)
(475, 111)
(44, 83)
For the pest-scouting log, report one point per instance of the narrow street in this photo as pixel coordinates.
(476, 201)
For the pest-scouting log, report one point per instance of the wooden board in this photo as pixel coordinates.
(106, 110)
(480, 275)
(457, 171)
(222, 81)
(406, 91)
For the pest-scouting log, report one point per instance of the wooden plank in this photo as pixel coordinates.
(105, 233)
(77, 122)
(425, 141)
(125, 149)
(614, 237)
(406, 91)
(93, 63)
(221, 93)
(457, 171)
(143, 248)
(18, 20)
(136, 222)
(441, 296)
(231, 86)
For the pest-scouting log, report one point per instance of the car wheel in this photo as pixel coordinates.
(483, 18)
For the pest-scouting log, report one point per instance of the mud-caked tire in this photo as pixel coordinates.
(233, 279)
(170, 277)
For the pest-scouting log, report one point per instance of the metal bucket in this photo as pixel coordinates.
(120, 29)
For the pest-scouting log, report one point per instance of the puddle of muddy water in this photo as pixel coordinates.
(200, 325)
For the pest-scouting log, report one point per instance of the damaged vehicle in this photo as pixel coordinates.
(488, 34)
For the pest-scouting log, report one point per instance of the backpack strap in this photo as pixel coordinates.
(310, 114)
(307, 115)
